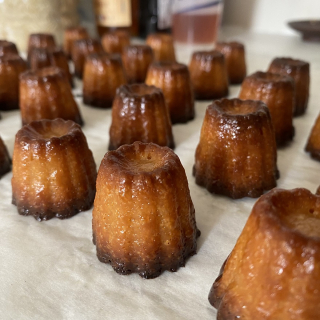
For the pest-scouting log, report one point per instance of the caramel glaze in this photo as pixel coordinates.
(40, 40)
(54, 172)
(143, 216)
(115, 41)
(103, 74)
(209, 75)
(11, 66)
(313, 143)
(299, 71)
(174, 80)
(46, 94)
(72, 34)
(139, 113)
(273, 271)
(136, 60)
(234, 54)
(237, 154)
(5, 161)
(80, 50)
(7, 47)
(277, 92)
(162, 46)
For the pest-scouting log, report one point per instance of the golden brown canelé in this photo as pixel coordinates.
(72, 34)
(139, 113)
(174, 80)
(143, 218)
(273, 271)
(136, 60)
(237, 154)
(115, 41)
(162, 46)
(313, 143)
(5, 161)
(7, 47)
(59, 59)
(41, 40)
(103, 74)
(299, 71)
(80, 50)
(209, 76)
(11, 66)
(277, 92)
(53, 170)
(234, 54)
(46, 94)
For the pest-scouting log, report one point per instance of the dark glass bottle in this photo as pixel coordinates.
(155, 16)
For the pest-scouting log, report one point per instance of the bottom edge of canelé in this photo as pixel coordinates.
(97, 103)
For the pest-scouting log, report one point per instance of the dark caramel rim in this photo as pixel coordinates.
(140, 48)
(11, 57)
(268, 77)
(212, 54)
(104, 57)
(117, 158)
(29, 132)
(260, 106)
(285, 62)
(267, 212)
(230, 44)
(125, 92)
(169, 66)
(86, 42)
(37, 76)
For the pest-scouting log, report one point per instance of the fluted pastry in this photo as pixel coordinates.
(115, 41)
(5, 161)
(162, 46)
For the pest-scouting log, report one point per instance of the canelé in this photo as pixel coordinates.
(174, 80)
(139, 113)
(313, 143)
(299, 71)
(103, 74)
(143, 218)
(209, 75)
(5, 161)
(237, 154)
(54, 173)
(115, 41)
(136, 60)
(7, 47)
(46, 94)
(39, 58)
(277, 92)
(41, 40)
(72, 34)
(234, 54)
(80, 50)
(162, 46)
(59, 59)
(11, 66)
(274, 269)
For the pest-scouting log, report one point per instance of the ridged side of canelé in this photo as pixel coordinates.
(139, 113)
(209, 77)
(11, 66)
(54, 172)
(274, 269)
(162, 47)
(234, 54)
(313, 143)
(46, 94)
(174, 80)
(72, 34)
(103, 74)
(59, 59)
(115, 41)
(277, 92)
(5, 161)
(136, 61)
(39, 58)
(237, 154)
(79, 52)
(143, 219)
(299, 71)
(7, 47)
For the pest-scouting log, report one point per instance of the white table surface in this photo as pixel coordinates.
(49, 270)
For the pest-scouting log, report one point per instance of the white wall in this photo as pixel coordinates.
(269, 16)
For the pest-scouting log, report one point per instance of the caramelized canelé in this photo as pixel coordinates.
(237, 154)
(5, 161)
(162, 46)
(143, 218)
(273, 272)
(139, 113)
(54, 172)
